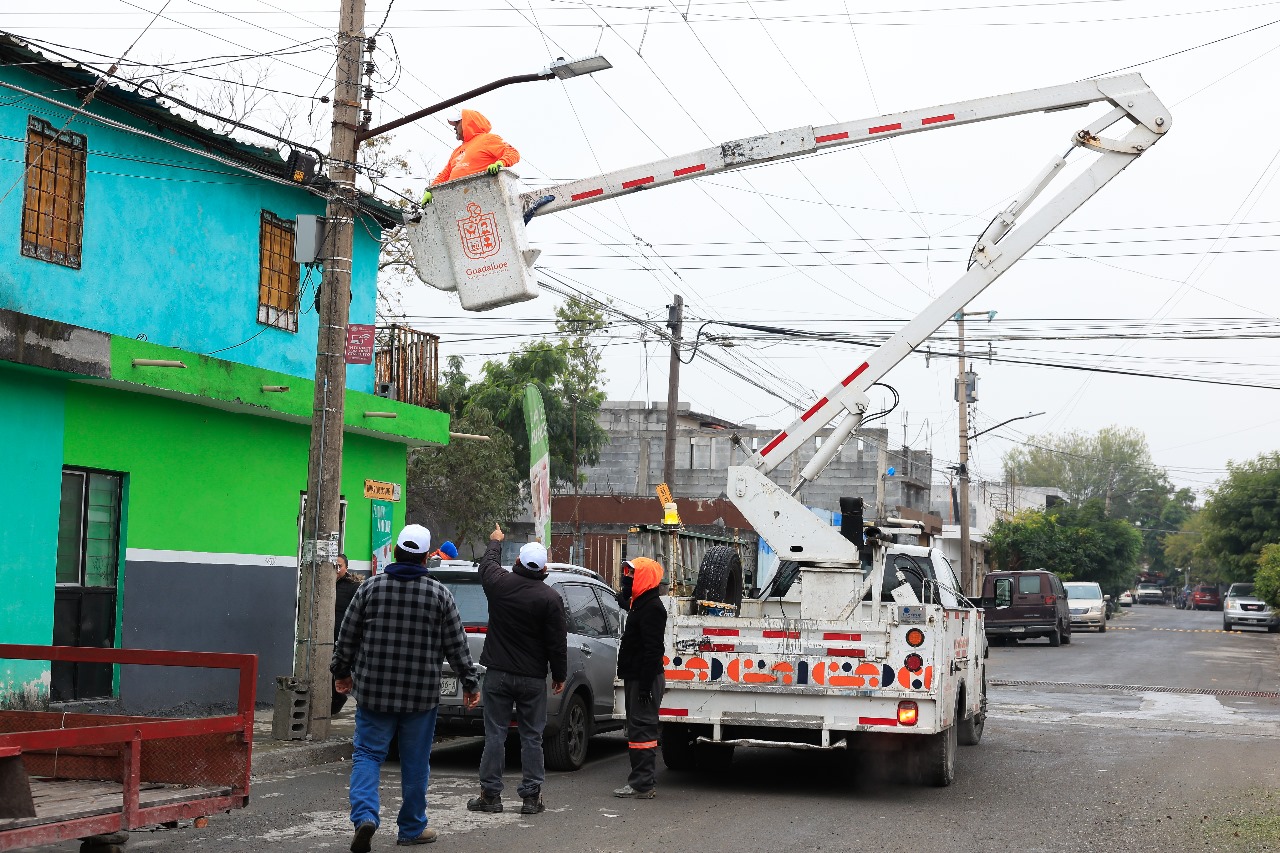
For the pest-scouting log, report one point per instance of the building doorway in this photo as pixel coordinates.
(88, 565)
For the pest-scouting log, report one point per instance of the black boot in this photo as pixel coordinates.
(485, 803)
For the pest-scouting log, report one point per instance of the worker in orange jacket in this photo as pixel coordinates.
(480, 150)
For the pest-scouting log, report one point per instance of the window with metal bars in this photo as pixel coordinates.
(53, 204)
(277, 274)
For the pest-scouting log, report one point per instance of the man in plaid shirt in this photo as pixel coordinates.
(399, 627)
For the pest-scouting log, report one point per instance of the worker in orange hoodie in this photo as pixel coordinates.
(640, 668)
(480, 150)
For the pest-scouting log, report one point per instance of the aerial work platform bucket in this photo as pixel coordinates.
(471, 239)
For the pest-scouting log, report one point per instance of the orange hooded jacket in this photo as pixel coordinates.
(648, 574)
(479, 150)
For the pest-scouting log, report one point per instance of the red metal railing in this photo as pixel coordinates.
(207, 757)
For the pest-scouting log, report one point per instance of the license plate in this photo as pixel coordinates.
(449, 685)
(1017, 630)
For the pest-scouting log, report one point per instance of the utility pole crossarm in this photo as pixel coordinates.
(1127, 92)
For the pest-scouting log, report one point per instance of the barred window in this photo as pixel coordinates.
(53, 204)
(277, 274)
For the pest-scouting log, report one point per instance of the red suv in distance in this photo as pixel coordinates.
(1205, 597)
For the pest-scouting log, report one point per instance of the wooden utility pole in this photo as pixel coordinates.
(962, 388)
(317, 573)
(675, 322)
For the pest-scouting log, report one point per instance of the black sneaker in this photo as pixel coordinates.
(362, 841)
(533, 805)
(485, 803)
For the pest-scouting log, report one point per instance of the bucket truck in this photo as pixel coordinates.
(859, 643)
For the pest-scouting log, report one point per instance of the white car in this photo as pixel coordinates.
(1126, 598)
(1088, 607)
(1242, 608)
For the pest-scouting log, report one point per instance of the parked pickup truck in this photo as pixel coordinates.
(1150, 593)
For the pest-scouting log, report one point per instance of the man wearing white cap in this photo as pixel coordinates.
(527, 636)
(400, 625)
(480, 151)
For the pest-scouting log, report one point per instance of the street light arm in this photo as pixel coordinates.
(454, 101)
(1002, 423)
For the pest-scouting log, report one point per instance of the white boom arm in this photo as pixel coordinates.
(776, 515)
(1128, 90)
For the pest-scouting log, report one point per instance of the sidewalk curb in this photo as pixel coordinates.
(282, 759)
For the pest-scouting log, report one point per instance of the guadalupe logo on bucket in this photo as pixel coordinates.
(539, 464)
(479, 233)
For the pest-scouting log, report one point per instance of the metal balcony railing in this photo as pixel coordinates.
(407, 365)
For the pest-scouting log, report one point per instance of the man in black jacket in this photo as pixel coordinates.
(527, 635)
(640, 668)
(346, 590)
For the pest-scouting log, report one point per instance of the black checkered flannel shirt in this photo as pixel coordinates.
(393, 640)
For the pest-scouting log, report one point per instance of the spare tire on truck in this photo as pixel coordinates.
(720, 576)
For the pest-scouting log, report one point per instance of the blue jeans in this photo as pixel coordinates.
(502, 692)
(374, 730)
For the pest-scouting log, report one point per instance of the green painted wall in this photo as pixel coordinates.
(204, 479)
(31, 426)
(228, 382)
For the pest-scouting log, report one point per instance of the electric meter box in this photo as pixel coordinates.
(471, 239)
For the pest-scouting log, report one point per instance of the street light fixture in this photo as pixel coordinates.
(561, 69)
(1002, 423)
(566, 68)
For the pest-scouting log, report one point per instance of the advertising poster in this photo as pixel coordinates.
(382, 539)
(539, 464)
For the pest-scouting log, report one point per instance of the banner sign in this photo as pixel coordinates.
(539, 464)
(382, 554)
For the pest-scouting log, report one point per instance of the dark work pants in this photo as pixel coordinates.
(642, 733)
(502, 692)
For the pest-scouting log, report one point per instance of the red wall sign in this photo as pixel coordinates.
(360, 343)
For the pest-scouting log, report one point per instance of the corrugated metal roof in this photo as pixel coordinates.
(14, 51)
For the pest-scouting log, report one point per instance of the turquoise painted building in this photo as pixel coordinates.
(158, 507)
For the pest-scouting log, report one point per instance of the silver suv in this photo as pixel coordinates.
(1242, 607)
(595, 630)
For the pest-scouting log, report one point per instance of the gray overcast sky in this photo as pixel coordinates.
(851, 240)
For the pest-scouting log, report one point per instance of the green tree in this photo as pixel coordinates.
(454, 390)
(1074, 542)
(466, 484)
(1030, 539)
(1115, 462)
(567, 372)
(1114, 467)
(1242, 515)
(1268, 576)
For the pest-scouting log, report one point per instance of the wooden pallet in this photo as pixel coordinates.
(60, 799)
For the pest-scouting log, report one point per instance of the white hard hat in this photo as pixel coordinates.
(454, 116)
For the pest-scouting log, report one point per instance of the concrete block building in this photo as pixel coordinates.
(631, 463)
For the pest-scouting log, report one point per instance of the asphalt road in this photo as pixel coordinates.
(1079, 754)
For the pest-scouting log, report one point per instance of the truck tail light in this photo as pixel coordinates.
(1050, 599)
(673, 712)
(476, 629)
(908, 713)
